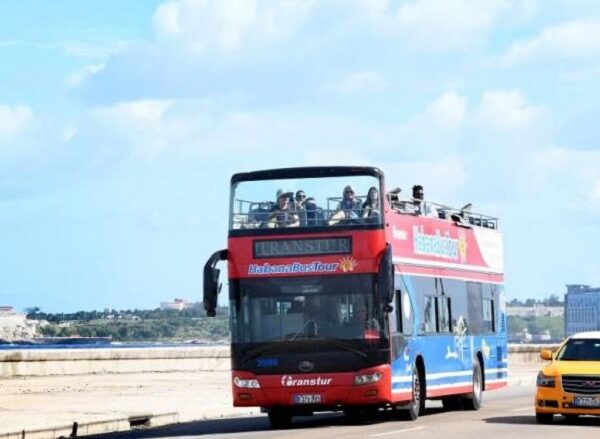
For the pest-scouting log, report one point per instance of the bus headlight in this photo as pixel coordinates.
(246, 384)
(360, 380)
(545, 380)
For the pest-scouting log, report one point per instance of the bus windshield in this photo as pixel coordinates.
(288, 309)
(306, 202)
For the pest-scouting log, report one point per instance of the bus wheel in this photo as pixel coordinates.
(280, 418)
(473, 401)
(417, 404)
(452, 403)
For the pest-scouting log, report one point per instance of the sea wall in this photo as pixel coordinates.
(40, 362)
(43, 362)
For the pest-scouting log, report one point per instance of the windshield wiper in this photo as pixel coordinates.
(301, 330)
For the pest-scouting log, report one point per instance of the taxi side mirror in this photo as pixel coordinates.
(546, 354)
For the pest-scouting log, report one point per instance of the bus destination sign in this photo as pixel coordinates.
(302, 247)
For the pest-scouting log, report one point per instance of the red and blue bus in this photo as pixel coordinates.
(340, 304)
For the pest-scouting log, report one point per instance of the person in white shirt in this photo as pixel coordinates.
(421, 207)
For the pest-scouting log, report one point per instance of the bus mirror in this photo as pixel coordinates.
(386, 277)
(212, 286)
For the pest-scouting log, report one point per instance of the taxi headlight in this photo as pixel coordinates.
(545, 380)
(360, 380)
(246, 383)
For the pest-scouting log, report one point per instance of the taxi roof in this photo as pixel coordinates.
(590, 334)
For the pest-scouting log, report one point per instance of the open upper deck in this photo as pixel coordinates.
(317, 198)
(463, 216)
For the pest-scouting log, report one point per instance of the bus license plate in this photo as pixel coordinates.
(586, 401)
(307, 399)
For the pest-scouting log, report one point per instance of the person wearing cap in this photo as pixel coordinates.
(281, 214)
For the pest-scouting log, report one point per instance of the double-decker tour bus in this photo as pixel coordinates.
(341, 299)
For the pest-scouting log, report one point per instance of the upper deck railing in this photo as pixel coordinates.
(260, 215)
(463, 216)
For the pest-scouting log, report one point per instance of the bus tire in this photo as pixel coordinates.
(417, 403)
(474, 400)
(280, 418)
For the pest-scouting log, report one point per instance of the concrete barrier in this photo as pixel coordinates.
(40, 362)
(527, 353)
(45, 362)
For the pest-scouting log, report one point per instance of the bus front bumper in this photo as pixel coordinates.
(313, 390)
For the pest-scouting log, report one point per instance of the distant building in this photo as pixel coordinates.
(536, 310)
(15, 326)
(178, 304)
(582, 309)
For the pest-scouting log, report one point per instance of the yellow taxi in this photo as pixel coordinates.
(570, 384)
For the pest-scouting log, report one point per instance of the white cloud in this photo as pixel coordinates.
(94, 50)
(573, 175)
(69, 132)
(226, 25)
(143, 123)
(436, 24)
(13, 120)
(442, 178)
(571, 40)
(77, 78)
(507, 109)
(449, 109)
(358, 83)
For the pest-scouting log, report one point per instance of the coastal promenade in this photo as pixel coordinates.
(54, 400)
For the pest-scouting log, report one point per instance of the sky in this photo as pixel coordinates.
(121, 123)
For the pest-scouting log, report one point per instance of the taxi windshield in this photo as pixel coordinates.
(580, 350)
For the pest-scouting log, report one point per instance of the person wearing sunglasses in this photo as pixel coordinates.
(347, 209)
(300, 207)
(282, 214)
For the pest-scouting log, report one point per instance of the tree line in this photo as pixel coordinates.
(552, 300)
(136, 325)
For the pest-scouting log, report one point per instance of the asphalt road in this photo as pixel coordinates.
(505, 414)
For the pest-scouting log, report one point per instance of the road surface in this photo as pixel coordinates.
(506, 413)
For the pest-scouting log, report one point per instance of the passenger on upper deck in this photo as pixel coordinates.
(421, 207)
(281, 215)
(370, 208)
(348, 208)
(299, 207)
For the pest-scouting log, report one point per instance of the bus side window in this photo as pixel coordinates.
(429, 314)
(444, 314)
(488, 316)
(407, 311)
(398, 310)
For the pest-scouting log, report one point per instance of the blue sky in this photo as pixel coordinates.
(121, 123)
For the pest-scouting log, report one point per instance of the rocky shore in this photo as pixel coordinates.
(15, 326)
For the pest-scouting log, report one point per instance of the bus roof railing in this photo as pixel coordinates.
(463, 216)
